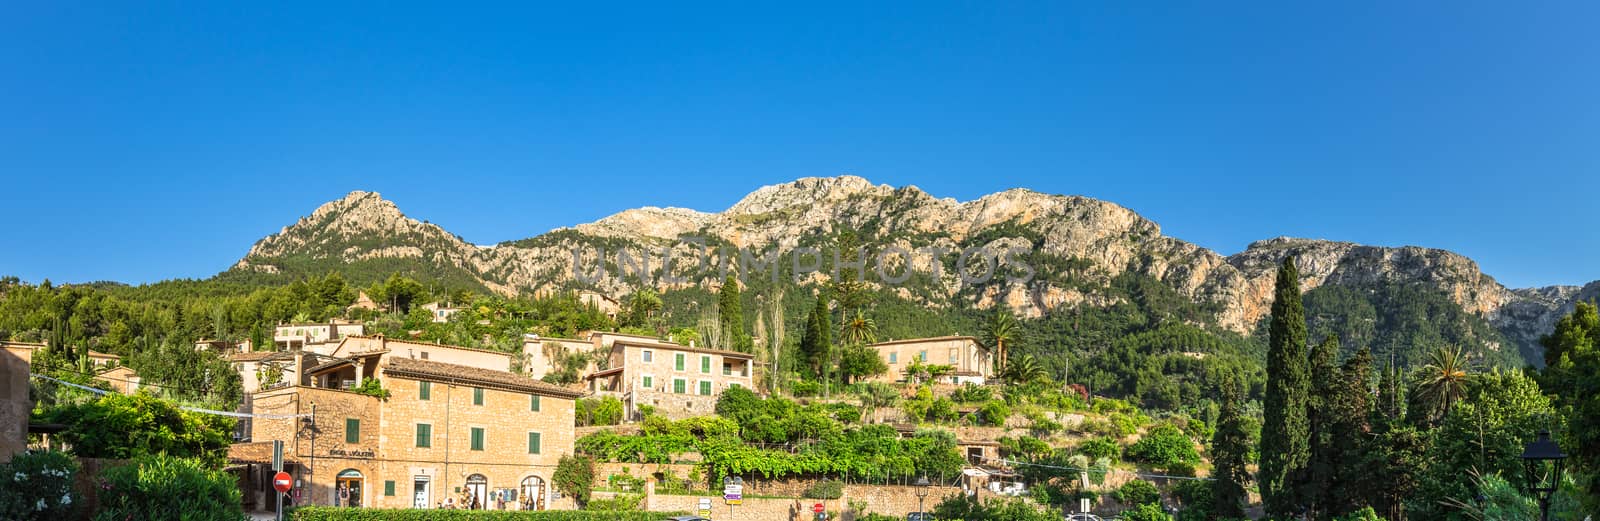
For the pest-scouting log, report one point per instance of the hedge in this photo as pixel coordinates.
(319, 513)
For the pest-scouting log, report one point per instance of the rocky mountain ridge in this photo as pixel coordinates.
(1099, 238)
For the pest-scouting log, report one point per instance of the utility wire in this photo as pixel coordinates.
(183, 407)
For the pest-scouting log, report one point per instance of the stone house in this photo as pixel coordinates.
(313, 336)
(446, 429)
(971, 360)
(679, 381)
(122, 379)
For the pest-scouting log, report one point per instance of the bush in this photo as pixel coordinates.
(1096, 448)
(825, 489)
(805, 388)
(1165, 446)
(121, 426)
(1146, 512)
(1137, 492)
(156, 487)
(971, 393)
(993, 413)
(608, 412)
(620, 503)
(574, 477)
(371, 387)
(320, 513)
(37, 485)
(942, 411)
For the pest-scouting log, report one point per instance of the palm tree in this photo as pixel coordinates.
(1001, 329)
(641, 304)
(1026, 370)
(1444, 379)
(858, 330)
(876, 396)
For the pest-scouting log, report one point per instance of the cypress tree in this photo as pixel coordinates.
(731, 315)
(817, 340)
(1348, 430)
(1230, 448)
(1284, 433)
(1321, 485)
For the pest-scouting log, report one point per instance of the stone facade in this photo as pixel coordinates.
(374, 452)
(679, 381)
(289, 337)
(121, 379)
(539, 354)
(14, 401)
(970, 358)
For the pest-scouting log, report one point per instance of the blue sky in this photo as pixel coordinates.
(145, 141)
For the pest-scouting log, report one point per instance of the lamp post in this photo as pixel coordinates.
(922, 494)
(1541, 460)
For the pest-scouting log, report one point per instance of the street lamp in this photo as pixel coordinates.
(1541, 460)
(922, 494)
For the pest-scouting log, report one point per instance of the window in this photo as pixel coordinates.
(705, 388)
(922, 355)
(648, 356)
(679, 385)
(953, 356)
(649, 381)
(388, 488)
(705, 364)
(533, 442)
(424, 355)
(534, 406)
(894, 357)
(352, 430)
(477, 438)
(477, 396)
(677, 361)
(425, 390)
(424, 435)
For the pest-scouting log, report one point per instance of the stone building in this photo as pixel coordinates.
(970, 359)
(122, 379)
(444, 430)
(679, 381)
(543, 355)
(15, 404)
(313, 336)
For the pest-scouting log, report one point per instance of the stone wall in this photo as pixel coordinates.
(895, 501)
(676, 406)
(14, 402)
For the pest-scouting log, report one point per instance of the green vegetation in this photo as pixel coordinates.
(119, 426)
(1284, 449)
(156, 487)
(574, 476)
(317, 513)
(38, 486)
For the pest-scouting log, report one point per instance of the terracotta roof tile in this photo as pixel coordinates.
(430, 370)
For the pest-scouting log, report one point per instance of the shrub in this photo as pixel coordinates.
(806, 388)
(994, 413)
(121, 426)
(1137, 492)
(320, 513)
(574, 476)
(1146, 512)
(608, 411)
(620, 503)
(37, 485)
(971, 393)
(371, 387)
(942, 411)
(156, 487)
(1165, 446)
(825, 489)
(1096, 448)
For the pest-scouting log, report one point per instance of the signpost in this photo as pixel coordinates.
(821, 510)
(281, 480)
(732, 493)
(705, 508)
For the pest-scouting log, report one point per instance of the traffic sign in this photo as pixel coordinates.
(735, 501)
(705, 512)
(705, 504)
(732, 490)
(818, 508)
(282, 482)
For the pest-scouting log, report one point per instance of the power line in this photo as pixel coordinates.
(183, 407)
(1107, 470)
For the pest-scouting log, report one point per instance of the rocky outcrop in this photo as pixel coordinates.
(1101, 239)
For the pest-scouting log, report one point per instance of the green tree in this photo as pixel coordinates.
(1498, 414)
(1166, 447)
(574, 476)
(1000, 330)
(1026, 371)
(120, 426)
(1322, 467)
(642, 305)
(730, 314)
(1230, 453)
(817, 342)
(858, 329)
(857, 361)
(1572, 376)
(1137, 492)
(1284, 434)
(1442, 381)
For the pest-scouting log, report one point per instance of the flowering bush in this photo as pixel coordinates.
(160, 487)
(37, 485)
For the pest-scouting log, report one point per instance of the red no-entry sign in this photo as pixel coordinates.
(282, 482)
(818, 508)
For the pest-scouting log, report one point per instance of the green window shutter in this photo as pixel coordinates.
(477, 438)
(424, 435)
(477, 396)
(352, 430)
(425, 390)
(678, 386)
(535, 404)
(705, 364)
(388, 488)
(533, 442)
(677, 361)
(705, 388)
(649, 382)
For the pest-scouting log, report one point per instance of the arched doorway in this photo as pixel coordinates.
(531, 497)
(347, 488)
(478, 488)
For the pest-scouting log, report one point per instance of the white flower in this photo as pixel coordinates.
(39, 506)
(66, 499)
(19, 477)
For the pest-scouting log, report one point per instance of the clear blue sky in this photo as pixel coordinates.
(143, 141)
